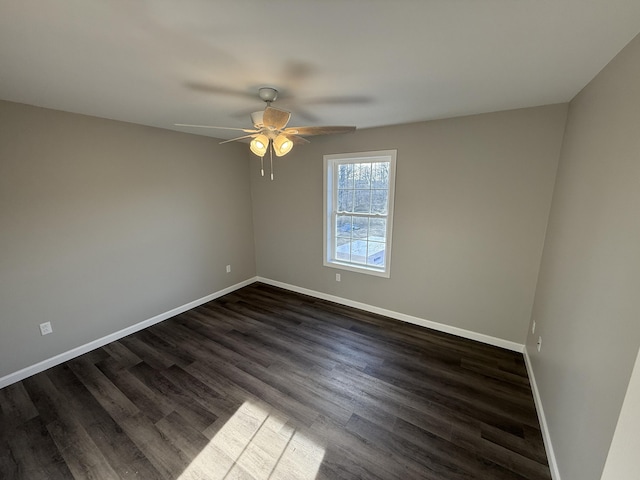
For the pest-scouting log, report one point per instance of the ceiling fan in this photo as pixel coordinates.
(270, 132)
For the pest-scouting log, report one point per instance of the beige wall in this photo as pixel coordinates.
(472, 200)
(587, 299)
(622, 460)
(104, 224)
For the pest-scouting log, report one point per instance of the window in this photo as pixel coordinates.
(358, 211)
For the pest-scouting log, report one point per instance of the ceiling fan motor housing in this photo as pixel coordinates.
(257, 119)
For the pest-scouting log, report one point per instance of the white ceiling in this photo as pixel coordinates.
(342, 62)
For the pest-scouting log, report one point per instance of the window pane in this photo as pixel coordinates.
(345, 176)
(375, 254)
(360, 227)
(380, 175)
(379, 201)
(378, 229)
(343, 226)
(343, 249)
(362, 175)
(362, 201)
(345, 200)
(359, 251)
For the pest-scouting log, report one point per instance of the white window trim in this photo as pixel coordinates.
(328, 208)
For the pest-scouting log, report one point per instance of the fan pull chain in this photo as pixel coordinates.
(271, 157)
(262, 165)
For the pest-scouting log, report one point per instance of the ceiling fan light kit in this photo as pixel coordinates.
(270, 132)
(282, 145)
(259, 145)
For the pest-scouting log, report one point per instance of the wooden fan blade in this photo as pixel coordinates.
(298, 140)
(246, 130)
(303, 113)
(275, 118)
(238, 138)
(318, 130)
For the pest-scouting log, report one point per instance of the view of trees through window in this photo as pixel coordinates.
(361, 213)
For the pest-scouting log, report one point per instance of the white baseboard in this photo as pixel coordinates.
(460, 332)
(551, 456)
(76, 352)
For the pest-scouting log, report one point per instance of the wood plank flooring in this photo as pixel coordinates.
(268, 384)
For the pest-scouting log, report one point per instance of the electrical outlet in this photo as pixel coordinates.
(228, 268)
(539, 343)
(46, 328)
(338, 278)
(533, 327)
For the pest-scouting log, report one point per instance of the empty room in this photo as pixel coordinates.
(319, 239)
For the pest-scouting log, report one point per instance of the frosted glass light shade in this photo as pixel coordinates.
(282, 145)
(259, 145)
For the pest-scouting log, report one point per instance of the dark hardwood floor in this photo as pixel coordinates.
(265, 383)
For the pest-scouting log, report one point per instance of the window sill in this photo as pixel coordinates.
(358, 269)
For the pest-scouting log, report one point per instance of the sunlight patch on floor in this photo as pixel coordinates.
(256, 444)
